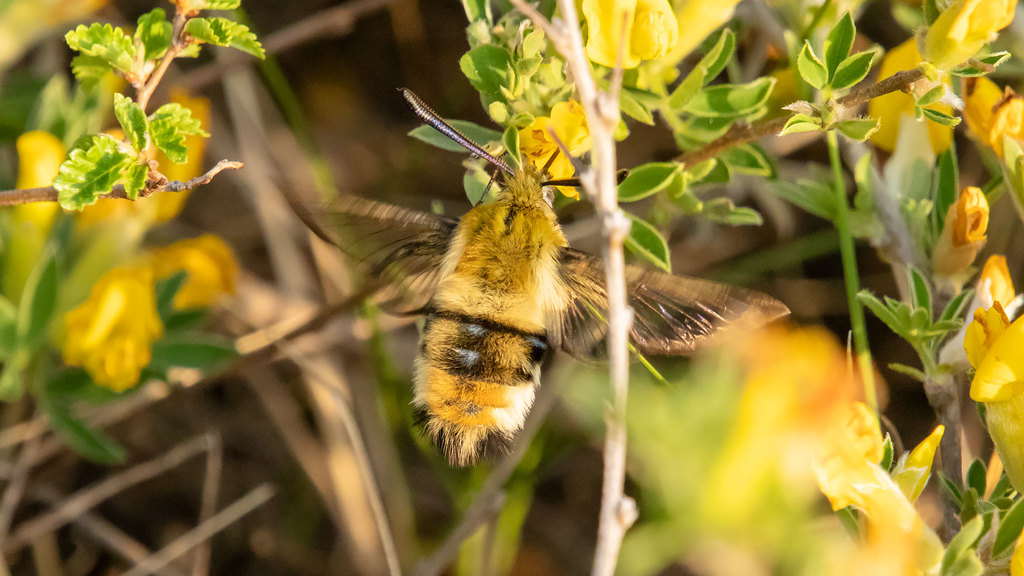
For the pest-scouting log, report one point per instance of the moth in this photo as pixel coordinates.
(500, 287)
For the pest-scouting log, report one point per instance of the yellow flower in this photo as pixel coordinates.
(649, 27)
(39, 156)
(111, 334)
(850, 476)
(963, 28)
(1017, 561)
(209, 262)
(911, 473)
(537, 146)
(896, 107)
(1007, 120)
(963, 233)
(993, 346)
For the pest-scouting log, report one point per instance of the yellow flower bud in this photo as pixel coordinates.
(537, 146)
(995, 277)
(963, 234)
(912, 473)
(644, 29)
(983, 331)
(1007, 120)
(896, 107)
(111, 334)
(210, 264)
(963, 28)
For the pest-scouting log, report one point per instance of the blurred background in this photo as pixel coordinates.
(324, 419)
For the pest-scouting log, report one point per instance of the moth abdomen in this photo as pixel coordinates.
(475, 382)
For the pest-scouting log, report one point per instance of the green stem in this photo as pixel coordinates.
(849, 256)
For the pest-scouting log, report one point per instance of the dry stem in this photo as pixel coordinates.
(49, 193)
(742, 133)
(618, 511)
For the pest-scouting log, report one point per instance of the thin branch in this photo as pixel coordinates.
(208, 502)
(49, 193)
(254, 499)
(943, 394)
(145, 92)
(742, 133)
(333, 21)
(89, 497)
(16, 485)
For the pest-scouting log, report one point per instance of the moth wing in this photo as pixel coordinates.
(673, 315)
(400, 249)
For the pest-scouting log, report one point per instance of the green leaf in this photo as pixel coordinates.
(90, 442)
(475, 184)
(960, 558)
(488, 68)
(647, 179)
(93, 166)
(976, 477)
(747, 159)
(199, 351)
(731, 100)
(153, 34)
(798, 123)
(132, 120)
(811, 69)
(104, 43)
(994, 60)
(88, 70)
(859, 129)
(11, 386)
(838, 44)
(38, 302)
(1002, 488)
(915, 373)
(168, 127)
(813, 196)
(646, 241)
(956, 306)
(921, 292)
(932, 96)
(687, 89)
(716, 59)
(940, 117)
(951, 490)
(852, 70)
(75, 385)
(534, 42)
(881, 311)
(166, 289)
(474, 132)
(135, 180)
(527, 67)
(8, 327)
(698, 172)
(945, 185)
(223, 32)
(632, 106)
(724, 211)
(222, 4)
(887, 454)
(510, 139)
(1010, 525)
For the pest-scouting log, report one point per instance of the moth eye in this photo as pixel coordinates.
(549, 195)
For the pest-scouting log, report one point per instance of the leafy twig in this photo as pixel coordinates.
(743, 133)
(145, 91)
(49, 193)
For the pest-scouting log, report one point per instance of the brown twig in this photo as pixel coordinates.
(16, 485)
(208, 502)
(87, 498)
(743, 132)
(944, 397)
(145, 92)
(334, 21)
(254, 499)
(49, 193)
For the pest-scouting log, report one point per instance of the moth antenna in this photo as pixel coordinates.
(490, 182)
(434, 119)
(551, 160)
